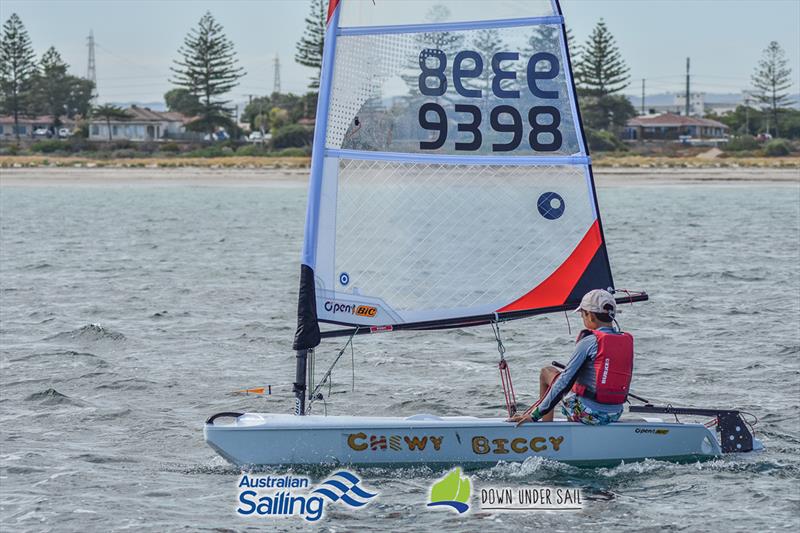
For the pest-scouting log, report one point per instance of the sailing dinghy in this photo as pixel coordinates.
(451, 186)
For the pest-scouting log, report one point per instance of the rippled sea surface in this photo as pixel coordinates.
(130, 313)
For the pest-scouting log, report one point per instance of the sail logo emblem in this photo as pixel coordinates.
(351, 309)
(366, 310)
(282, 499)
(452, 491)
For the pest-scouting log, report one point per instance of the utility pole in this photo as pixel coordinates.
(747, 115)
(642, 96)
(91, 68)
(688, 105)
(276, 84)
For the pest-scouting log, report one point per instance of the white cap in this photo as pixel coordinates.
(596, 302)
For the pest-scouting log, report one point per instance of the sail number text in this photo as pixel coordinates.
(502, 118)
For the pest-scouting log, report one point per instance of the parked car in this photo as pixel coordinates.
(64, 133)
(219, 135)
(255, 136)
(42, 132)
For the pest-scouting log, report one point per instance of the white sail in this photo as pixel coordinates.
(450, 178)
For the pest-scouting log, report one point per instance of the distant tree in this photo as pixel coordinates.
(110, 112)
(772, 77)
(79, 98)
(182, 101)
(448, 42)
(17, 67)
(257, 111)
(487, 43)
(574, 48)
(744, 120)
(610, 112)
(278, 118)
(311, 44)
(56, 92)
(51, 86)
(600, 70)
(208, 68)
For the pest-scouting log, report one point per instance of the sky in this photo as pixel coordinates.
(137, 41)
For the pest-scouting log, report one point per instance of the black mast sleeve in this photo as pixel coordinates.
(307, 334)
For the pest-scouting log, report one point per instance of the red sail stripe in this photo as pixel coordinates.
(556, 288)
(332, 4)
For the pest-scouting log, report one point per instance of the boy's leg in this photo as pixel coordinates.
(546, 377)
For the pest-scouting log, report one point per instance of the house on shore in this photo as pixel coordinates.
(669, 126)
(143, 124)
(29, 124)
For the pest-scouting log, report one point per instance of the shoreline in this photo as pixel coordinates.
(220, 177)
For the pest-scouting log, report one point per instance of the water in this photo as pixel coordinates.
(129, 313)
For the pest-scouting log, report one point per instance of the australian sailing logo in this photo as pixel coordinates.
(452, 491)
(351, 309)
(289, 496)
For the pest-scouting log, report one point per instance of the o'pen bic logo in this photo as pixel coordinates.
(452, 490)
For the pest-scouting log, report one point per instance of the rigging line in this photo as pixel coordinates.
(326, 377)
(496, 330)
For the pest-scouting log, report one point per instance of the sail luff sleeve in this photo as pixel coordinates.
(307, 334)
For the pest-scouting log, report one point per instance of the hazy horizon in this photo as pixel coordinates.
(138, 41)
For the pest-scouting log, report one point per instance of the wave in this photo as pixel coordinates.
(128, 384)
(89, 332)
(52, 397)
(70, 356)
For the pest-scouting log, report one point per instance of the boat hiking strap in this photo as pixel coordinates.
(505, 371)
(315, 394)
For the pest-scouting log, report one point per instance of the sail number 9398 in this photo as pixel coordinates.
(502, 118)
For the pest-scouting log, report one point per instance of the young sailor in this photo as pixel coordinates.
(599, 372)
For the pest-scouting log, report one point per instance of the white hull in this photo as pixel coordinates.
(274, 439)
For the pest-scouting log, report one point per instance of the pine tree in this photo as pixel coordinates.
(17, 67)
(208, 69)
(51, 86)
(487, 43)
(311, 44)
(543, 38)
(771, 79)
(600, 69)
(448, 42)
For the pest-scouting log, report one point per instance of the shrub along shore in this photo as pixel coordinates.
(77, 152)
(279, 160)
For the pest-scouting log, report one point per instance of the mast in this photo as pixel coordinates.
(307, 335)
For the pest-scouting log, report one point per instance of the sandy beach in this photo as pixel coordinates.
(211, 177)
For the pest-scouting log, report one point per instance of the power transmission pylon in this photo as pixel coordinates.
(91, 69)
(276, 84)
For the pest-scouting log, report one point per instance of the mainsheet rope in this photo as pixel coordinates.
(505, 371)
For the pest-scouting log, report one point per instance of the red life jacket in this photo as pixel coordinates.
(613, 367)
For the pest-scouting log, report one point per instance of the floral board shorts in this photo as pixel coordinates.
(575, 411)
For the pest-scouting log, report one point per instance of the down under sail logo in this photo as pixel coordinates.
(284, 496)
(452, 491)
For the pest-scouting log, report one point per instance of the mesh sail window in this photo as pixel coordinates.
(450, 181)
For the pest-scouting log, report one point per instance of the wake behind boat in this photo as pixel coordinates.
(451, 187)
